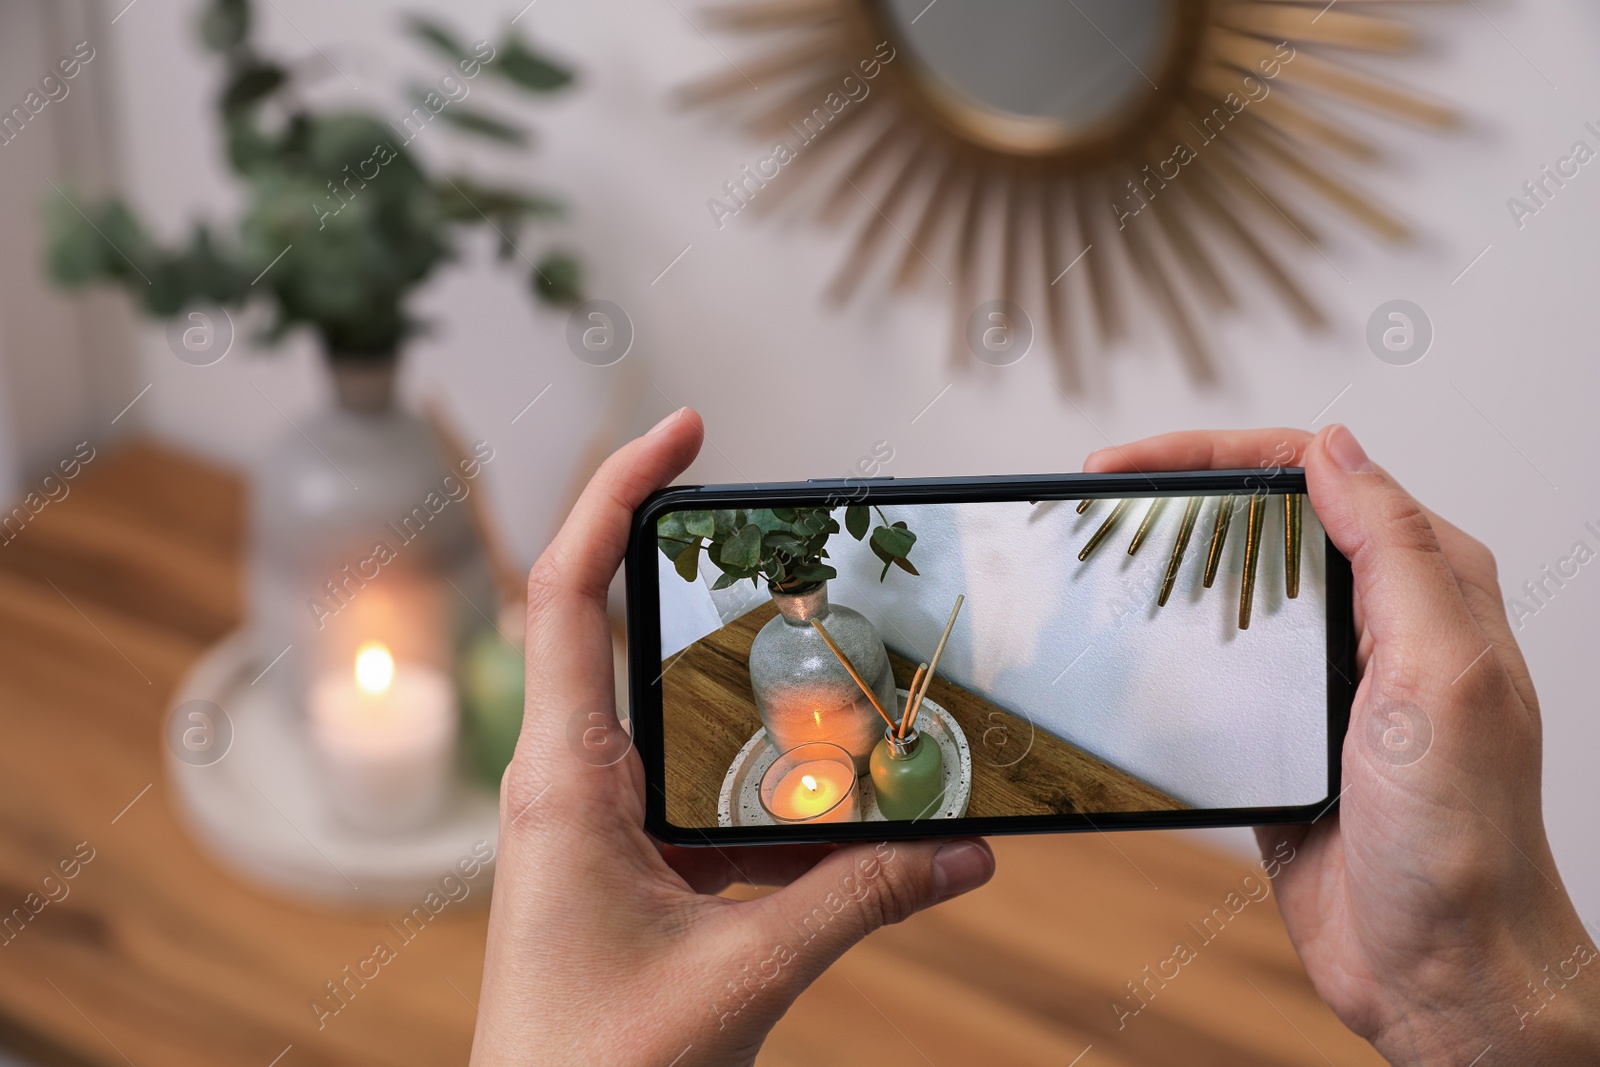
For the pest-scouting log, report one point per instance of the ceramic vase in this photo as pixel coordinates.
(803, 693)
(908, 776)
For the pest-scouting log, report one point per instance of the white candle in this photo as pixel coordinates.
(385, 735)
(814, 782)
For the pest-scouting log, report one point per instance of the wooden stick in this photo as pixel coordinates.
(911, 696)
(865, 688)
(933, 665)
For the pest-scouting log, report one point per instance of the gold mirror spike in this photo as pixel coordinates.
(1149, 520)
(1191, 512)
(1252, 557)
(1291, 545)
(1083, 505)
(1219, 535)
(1105, 529)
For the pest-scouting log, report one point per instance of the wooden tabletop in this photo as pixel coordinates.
(159, 957)
(708, 712)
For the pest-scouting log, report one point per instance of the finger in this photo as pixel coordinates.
(587, 550)
(711, 870)
(1478, 577)
(1190, 450)
(570, 693)
(1413, 607)
(851, 893)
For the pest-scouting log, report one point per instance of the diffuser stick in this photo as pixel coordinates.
(933, 665)
(911, 696)
(865, 688)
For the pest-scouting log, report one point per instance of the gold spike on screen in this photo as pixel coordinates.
(1191, 512)
(1291, 545)
(1150, 516)
(1219, 536)
(1105, 529)
(1252, 557)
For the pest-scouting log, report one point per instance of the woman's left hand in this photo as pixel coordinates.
(606, 946)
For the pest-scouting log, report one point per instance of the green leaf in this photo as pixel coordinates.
(250, 84)
(483, 124)
(905, 565)
(432, 33)
(786, 514)
(768, 521)
(688, 562)
(724, 522)
(558, 279)
(815, 572)
(520, 65)
(724, 580)
(699, 523)
(224, 24)
(856, 519)
(671, 525)
(786, 544)
(896, 540)
(743, 549)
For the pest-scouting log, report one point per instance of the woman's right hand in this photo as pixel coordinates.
(1428, 909)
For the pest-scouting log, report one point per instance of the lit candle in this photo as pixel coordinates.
(814, 782)
(385, 734)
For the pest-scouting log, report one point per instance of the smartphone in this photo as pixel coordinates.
(870, 659)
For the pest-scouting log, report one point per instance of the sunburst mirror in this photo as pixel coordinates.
(1099, 158)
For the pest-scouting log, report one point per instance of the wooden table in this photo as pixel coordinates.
(708, 713)
(160, 958)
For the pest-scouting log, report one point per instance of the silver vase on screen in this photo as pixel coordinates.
(803, 693)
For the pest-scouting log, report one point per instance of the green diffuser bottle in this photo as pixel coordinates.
(908, 776)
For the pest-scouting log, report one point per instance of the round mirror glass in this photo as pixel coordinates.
(1035, 76)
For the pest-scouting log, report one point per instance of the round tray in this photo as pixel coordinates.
(261, 808)
(739, 803)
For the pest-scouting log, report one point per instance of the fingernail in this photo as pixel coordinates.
(960, 867)
(664, 423)
(1347, 451)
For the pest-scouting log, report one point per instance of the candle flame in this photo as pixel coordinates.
(374, 668)
(809, 782)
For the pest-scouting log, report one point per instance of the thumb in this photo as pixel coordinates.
(1409, 597)
(856, 890)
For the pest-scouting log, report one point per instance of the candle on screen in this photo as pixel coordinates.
(814, 782)
(385, 734)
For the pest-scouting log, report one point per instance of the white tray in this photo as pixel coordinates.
(261, 808)
(739, 803)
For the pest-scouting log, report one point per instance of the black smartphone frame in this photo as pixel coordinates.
(644, 643)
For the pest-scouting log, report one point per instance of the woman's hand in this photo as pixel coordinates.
(1428, 910)
(604, 945)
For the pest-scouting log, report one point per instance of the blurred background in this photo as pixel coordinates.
(164, 948)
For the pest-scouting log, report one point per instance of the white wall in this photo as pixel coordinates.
(740, 313)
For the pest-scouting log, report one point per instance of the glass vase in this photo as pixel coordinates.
(803, 693)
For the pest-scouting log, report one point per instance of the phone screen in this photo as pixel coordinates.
(1151, 654)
